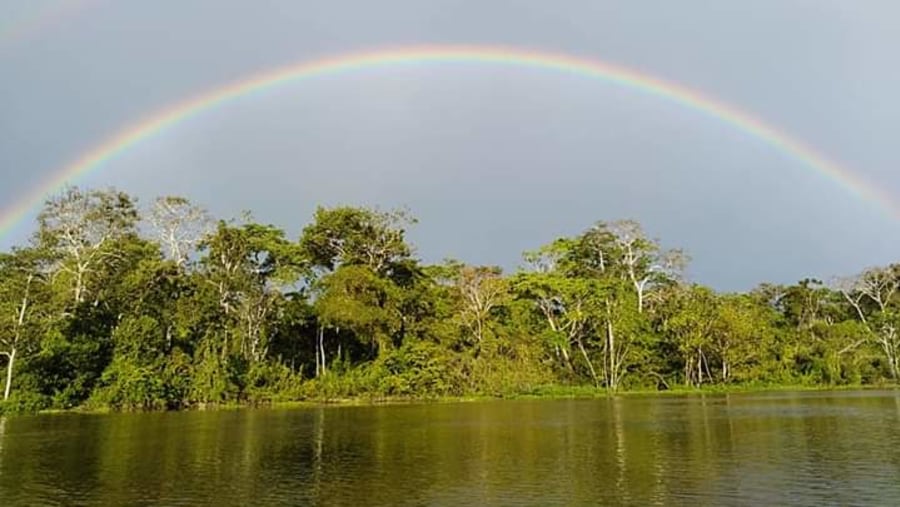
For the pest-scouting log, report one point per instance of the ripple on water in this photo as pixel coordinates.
(788, 448)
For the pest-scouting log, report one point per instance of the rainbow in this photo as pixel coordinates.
(353, 62)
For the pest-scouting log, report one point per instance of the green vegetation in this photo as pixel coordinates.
(108, 306)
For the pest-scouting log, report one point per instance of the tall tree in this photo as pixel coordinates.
(81, 228)
(480, 290)
(643, 260)
(21, 292)
(873, 297)
(742, 334)
(373, 243)
(691, 321)
(249, 265)
(179, 226)
(356, 299)
(569, 305)
(357, 236)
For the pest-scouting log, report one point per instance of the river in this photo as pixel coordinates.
(811, 448)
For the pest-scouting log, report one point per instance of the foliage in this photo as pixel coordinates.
(103, 309)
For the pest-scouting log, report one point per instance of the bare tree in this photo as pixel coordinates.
(179, 226)
(643, 259)
(877, 287)
(481, 290)
(79, 227)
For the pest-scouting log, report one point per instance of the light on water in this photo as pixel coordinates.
(771, 449)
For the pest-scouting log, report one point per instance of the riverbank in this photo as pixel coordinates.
(541, 393)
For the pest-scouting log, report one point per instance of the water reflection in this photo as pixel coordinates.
(737, 450)
(2, 438)
(615, 405)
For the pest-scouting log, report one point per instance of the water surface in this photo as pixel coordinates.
(767, 449)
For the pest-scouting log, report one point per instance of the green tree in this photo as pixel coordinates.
(250, 266)
(691, 320)
(742, 336)
(23, 299)
(570, 306)
(358, 300)
(357, 236)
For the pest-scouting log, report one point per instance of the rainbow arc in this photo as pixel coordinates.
(175, 114)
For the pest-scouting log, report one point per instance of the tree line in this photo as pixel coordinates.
(163, 307)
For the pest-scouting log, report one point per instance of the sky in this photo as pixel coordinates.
(493, 160)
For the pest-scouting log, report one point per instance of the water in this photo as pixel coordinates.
(771, 449)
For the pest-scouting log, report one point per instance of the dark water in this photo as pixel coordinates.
(773, 449)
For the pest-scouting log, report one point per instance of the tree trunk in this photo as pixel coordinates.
(640, 297)
(79, 285)
(568, 361)
(890, 351)
(11, 355)
(699, 367)
(9, 373)
(588, 361)
(565, 354)
(613, 380)
(320, 352)
(705, 363)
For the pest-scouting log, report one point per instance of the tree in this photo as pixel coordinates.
(569, 305)
(249, 265)
(871, 294)
(354, 237)
(357, 236)
(806, 304)
(480, 290)
(643, 260)
(92, 311)
(741, 333)
(617, 256)
(355, 298)
(624, 331)
(80, 228)
(179, 226)
(691, 319)
(21, 277)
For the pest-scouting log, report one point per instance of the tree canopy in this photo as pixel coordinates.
(111, 305)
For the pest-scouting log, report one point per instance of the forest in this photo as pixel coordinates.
(119, 306)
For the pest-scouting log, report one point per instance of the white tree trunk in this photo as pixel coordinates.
(889, 343)
(9, 374)
(588, 361)
(320, 352)
(613, 380)
(11, 355)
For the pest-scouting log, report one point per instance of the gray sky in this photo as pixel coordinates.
(493, 160)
